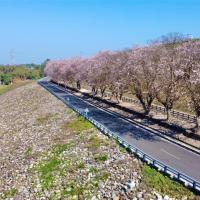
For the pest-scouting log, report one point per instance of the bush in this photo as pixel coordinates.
(6, 79)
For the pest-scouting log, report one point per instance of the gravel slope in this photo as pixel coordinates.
(44, 154)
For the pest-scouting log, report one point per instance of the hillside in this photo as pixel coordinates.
(48, 152)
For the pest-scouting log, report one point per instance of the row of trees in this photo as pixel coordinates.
(9, 73)
(163, 70)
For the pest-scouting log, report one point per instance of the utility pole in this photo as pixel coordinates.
(12, 56)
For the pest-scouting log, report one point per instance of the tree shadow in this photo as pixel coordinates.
(172, 129)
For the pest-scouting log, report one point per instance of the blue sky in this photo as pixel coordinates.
(34, 30)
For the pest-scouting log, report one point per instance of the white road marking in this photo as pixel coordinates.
(163, 150)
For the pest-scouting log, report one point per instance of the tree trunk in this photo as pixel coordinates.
(78, 85)
(111, 96)
(120, 96)
(94, 91)
(197, 122)
(116, 96)
(146, 110)
(168, 111)
(102, 92)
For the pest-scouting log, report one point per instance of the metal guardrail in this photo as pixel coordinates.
(180, 115)
(173, 173)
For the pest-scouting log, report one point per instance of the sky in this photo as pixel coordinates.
(34, 30)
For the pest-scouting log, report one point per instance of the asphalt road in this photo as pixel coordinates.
(161, 149)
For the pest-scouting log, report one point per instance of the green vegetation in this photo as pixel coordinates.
(56, 167)
(28, 152)
(73, 189)
(82, 190)
(60, 148)
(49, 116)
(6, 88)
(164, 184)
(53, 164)
(8, 74)
(95, 142)
(81, 165)
(46, 170)
(9, 193)
(122, 149)
(6, 79)
(102, 177)
(78, 125)
(101, 157)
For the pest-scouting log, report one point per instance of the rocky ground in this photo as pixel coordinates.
(48, 152)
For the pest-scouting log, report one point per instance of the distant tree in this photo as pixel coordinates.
(34, 74)
(173, 38)
(21, 73)
(6, 79)
(43, 65)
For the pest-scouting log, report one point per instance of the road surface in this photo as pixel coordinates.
(172, 155)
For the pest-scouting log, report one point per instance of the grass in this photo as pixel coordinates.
(56, 167)
(122, 149)
(49, 116)
(93, 170)
(102, 177)
(95, 142)
(164, 184)
(60, 148)
(28, 152)
(9, 193)
(82, 190)
(81, 165)
(52, 165)
(46, 171)
(101, 157)
(78, 125)
(6, 88)
(73, 189)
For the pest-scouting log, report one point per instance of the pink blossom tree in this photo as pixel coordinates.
(189, 59)
(143, 70)
(169, 79)
(100, 72)
(118, 82)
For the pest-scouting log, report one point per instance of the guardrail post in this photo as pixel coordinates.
(178, 176)
(194, 184)
(154, 162)
(136, 151)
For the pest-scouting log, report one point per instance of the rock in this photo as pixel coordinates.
(131, 185)
(94, 198)
(158, 196)
(115, 196)
(166, 197)
(139, 195)
(184, 198)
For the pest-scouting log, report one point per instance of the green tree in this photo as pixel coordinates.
(6, 79)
